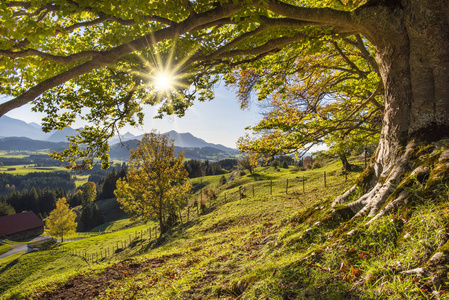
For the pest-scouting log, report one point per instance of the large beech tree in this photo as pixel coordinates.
(97, 59)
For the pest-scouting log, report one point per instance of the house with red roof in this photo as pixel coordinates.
(21, 226)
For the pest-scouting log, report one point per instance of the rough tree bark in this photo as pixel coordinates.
(411, 38)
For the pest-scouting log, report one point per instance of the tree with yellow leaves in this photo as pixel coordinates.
(157, 182)
(61, 220)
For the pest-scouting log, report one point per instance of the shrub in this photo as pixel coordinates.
(222, 181)
(275, 163)
(317, 164)
(209, 193)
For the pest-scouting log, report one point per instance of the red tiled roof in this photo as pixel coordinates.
(19, 222)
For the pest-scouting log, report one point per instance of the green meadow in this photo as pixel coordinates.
(278, 243)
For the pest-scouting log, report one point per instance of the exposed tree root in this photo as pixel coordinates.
(420, 173)
(343, 198)
(399, 201)
(392, 184)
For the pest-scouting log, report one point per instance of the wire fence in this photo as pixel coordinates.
(200, 204)
(91, 257)
(299, 185)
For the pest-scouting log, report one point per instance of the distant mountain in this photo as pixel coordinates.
(123, 138)
(61, 135)
(35, 125)
(24, 143)
(189, 141)
(184, 140)
(121, 151)
(29, 136)
(10, 127)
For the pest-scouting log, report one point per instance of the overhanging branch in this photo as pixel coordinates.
(116, 53)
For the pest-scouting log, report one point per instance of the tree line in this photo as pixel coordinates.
(36, 159)
(197, 168)
(52, 180)
(39, 200)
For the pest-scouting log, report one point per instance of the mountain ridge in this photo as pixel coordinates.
(20, 135)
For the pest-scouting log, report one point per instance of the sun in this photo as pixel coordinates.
(163, 81)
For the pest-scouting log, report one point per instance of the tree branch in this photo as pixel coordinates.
(361, 46)
(348, 61)
(107, 57)
(59, 59)
(370, 98)
(267, 47)
(18, 4)
(322, 16)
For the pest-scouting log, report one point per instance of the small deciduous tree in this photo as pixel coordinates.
(89, 194)
(157, 182)
(222, 180)
(248, 162)
(6, 209)
(61, 220)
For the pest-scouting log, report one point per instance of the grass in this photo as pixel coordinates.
(4, 248)
(81, 180)
(25, 169)
(65, 259)
(273, 245)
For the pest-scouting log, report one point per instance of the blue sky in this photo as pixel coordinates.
(220, 121)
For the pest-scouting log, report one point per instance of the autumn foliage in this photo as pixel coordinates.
(157, 182)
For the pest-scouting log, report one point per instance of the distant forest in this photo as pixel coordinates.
(36, 159)
(51, 180)
(197, 168)
(39, 191)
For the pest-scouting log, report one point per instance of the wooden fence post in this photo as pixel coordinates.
(286, 188)
(271, 187)
(197, 209)
(253, 190)
(324, 178)
(303, 185)
(364, 154)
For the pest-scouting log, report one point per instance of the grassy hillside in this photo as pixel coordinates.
(280, 243)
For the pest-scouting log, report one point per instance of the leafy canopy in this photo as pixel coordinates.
(61, 221)
(89, 194)
(328, 99)
(157, 182)
(98, 60)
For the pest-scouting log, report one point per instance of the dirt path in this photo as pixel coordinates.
(25, 248)
(87, 287)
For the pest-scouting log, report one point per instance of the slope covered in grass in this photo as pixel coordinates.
(275, 245)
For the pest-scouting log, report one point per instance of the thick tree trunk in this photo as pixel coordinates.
(411, 39)
(161, 214)
(344, 161)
